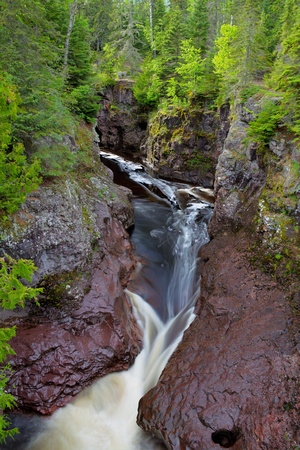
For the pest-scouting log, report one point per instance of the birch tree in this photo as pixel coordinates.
(73, 8)
(151, 27)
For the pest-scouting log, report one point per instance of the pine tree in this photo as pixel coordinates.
(28, 52)
(242, 49)
(198, 25)
(125, 35)
(17, 177)
(191, 69)
(168, 41)
(98, 14)
(286, 73)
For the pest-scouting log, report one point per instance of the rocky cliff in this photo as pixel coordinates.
(185, 144)
(234, 379)
(121, 125)
(74, 228)
(182, 144)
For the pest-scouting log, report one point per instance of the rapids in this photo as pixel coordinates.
(167, 239)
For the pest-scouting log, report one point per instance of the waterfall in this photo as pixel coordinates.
(103, 416)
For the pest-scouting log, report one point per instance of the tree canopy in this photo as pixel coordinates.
(56, 55)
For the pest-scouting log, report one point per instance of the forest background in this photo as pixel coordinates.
(56, 56)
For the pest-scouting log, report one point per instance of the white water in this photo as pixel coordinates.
(104, 415)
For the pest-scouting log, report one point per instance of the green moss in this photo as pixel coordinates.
(86, 217)
(178, 134)
(200, 161)
(55, 288)
(277, 247)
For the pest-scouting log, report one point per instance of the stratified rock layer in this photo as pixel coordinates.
(234, 379)
(120, 125)
(74, 231)
(185, 144)
(237, 368)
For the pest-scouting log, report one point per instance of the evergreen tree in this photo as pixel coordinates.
(198, 25)
(272, 12)
(17, 177)
(80, 70)
(29, 54)
(159, 10)
(125, 35)
(191, 70)
(289, 18)
(98, 14)
(242, 50)
(168, 41)
(286, 73)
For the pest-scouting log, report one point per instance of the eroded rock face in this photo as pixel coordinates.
(240, 178)
(120, 125)
(237, 368)
(233, 381)
(186, 145)
(74, 231)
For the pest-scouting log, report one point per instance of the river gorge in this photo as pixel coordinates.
(192, 323)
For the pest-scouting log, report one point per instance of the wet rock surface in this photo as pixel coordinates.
(84, 328)
(234, 379)
(120, 124)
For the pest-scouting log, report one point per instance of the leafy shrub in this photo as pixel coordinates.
(12, 293)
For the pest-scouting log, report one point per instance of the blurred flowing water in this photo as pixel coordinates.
(167, 240)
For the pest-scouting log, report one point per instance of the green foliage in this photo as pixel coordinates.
(17, 177)
(30, 53)
(55, 158)
(248, 91)
(83, 101)
(286, 73)
(148, 86)
(7, 401)
(168, 41)
(242, 53)
(80, 70)
(264, 125)
(12, 293)
(198, 25)
(225, 60)
(98, 14)
(12, 290)
(191, 69)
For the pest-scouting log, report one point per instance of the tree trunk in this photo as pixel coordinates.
(73, 11)
(131, 37)
(151, 29)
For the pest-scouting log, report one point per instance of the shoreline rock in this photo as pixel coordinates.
(237, 367)
(84, 328)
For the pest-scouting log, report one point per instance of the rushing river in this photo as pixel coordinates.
(167, 240)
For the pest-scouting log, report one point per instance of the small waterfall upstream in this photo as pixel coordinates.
(168, 239)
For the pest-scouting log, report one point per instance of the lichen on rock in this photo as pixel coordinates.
(185, 144)
(74, 229)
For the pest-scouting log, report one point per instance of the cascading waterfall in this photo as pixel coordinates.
(104, 415)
